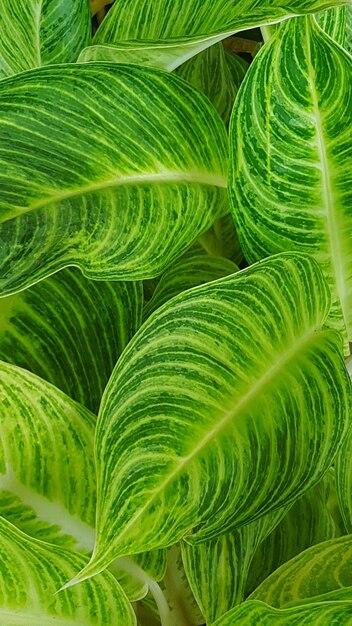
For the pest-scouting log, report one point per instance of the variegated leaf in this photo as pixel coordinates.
(41, 32)
(344, 481)
(200, 430)
(70, 331)
(31, 572)
(123, 206)
(333, 22)
(291, 173)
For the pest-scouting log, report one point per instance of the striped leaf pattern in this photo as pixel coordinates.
(46, 460)
(238, 66)
(211, 74)
(320, 570)
(41, 32)
(122, 206)
(195, 415)
(260, 614)
(189, 271)
(289, 538)
(217, 569)
(344, 481)
(333, 22)
(70, 331)
(31, 572)
(291, 173)
(348, 39)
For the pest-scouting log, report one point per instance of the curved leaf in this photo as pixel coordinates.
(198, 23)
(319, 570)
(217, 570)
(344, 480)
(41, 32)
(195, 414)
(291, 173)
(71, 331)
(260, 614)
(32, 571)
(189, 271)
(333, 22)
(122, 206)
(289, 538)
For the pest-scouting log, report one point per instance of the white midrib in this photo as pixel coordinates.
(200, 178)
(49, 512)
(327, 191)
(311, 336)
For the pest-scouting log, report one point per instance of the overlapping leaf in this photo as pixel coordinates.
(217, 569)
(117, 185)
(322, 569)
(333, 22)
(291, 174)
(259, 614)
(195, 415)
(41, 32)
(308, 522)
(70, 331)
(194, 25)
(32, 571)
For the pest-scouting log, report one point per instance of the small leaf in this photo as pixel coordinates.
(71, 331)
(32, 571)
(218, 383)
(41, 32)
(121, 207)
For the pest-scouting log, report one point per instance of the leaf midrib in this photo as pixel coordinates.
(196, 178)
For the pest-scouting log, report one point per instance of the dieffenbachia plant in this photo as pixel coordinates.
(175, 312)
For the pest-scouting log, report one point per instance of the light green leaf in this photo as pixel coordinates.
(194, 25)
(321, 569)
(46, 460)
(221, 240)
(123, 206)
(291, 173)
(333, 22)
(32, 571)
(71, 331)
(41, 32)
(308, 522)
(348, 40)
(210, 73)
(217, 570)
(189, 271)
(260, 614)
(218, 383)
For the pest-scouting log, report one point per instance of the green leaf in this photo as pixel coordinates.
(333, 22)
(71, 331)
(217, 570)
(348, 39)
(175, 586)
(218, 383)
(32, 571)
(289, 538)
(194, 25)
(238, 66)
(121, 206)
(46, 460)
(291, 148)
(259, 614)
(322, 569)
(221, 240)
(210, 73)
(344, 480)
(41, 32)
(189, 271)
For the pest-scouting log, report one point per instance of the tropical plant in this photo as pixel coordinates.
(175, 312)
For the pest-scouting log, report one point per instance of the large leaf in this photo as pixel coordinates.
(193, 26)
(308, 522)
(31, 572)
(217, 569)
(71, 331)
(199, 429)
(118, 186)
(322, 569)
(291, 173)
(41, 32)
(259, 614)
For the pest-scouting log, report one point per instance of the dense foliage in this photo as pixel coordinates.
(175, 312)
